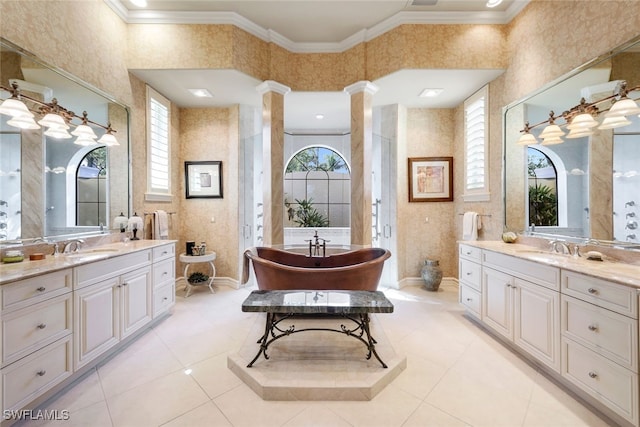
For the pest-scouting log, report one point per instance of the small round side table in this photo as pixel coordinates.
(209, 257)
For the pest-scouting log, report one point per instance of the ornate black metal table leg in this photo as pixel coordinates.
(268, 326)
(371, 343)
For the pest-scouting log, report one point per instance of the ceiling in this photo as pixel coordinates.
(317, 26)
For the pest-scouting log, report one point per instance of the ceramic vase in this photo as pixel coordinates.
(431, 274)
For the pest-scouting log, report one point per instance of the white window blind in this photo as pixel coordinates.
(158, 146)
(475, 120)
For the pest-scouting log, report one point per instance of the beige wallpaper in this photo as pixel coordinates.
(548, 39)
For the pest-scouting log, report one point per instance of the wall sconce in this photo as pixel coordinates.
(56, 119)
(581, 119)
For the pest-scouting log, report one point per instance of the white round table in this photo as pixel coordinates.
(209, 257)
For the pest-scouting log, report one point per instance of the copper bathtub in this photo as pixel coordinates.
(278, 269)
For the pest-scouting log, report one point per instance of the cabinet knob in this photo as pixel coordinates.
(165, 273)
(592, 291)
(165, 252)
(468, 273)
(41, 289)
(593, 327)
(125, 284)
(593, 374)
(468, 253)
(41, 373)
(469, 299)
(42, 325)
(165, 298)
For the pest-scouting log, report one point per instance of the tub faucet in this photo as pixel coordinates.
(315, 244)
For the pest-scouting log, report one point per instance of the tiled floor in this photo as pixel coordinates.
(456, 375)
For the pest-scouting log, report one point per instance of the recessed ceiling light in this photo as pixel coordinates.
(139, 3)
(319, 116)
(430, 93)
(201, 93)
(493, 3)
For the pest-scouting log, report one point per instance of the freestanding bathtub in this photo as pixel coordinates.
(278, 269)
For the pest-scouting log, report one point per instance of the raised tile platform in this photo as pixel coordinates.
(316, 365)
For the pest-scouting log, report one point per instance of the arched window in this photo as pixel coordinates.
(91, 189)
(543, 189)
(317, 189)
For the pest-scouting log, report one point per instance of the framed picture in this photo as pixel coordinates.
(431, 179)
(203, 179)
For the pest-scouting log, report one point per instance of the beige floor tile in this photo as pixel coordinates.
(317, 416)
(95, 415)
(427, 415)
(420, 376)
(544, 416)
(84, 393)
(156, 402)
(134, 367)
(213, 376)
(202, 416)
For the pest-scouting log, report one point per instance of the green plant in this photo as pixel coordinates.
(308, 216)
(543, 206)
(197, 277)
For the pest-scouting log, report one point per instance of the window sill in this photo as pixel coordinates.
(158, 197)
(476, 197)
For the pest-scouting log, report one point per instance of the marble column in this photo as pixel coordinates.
(273, 161)
(361, 157)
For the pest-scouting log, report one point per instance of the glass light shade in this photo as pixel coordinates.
(582, 121)
(15, 108)
(23, 122)
(623, 107)
(579, 133)
(58, 133)
(527, 139)
(614, 122)
(84, 141)
(551, 131)
(53, 121)
(84, 130)
(109, 140)
(552, 140)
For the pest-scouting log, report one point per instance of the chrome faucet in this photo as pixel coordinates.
(75, 243)
(629, 203)
(631, 237)
(563, 245)
(315, 244)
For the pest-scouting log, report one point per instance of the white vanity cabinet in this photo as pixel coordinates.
(521, 301)
(600, 341)
(113, 299)
(470, 272)
(36, 336)
(164, 279)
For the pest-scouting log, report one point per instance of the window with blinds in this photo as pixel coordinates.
(158, 147)
(476, 142)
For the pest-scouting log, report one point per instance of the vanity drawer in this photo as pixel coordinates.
(540, 274)
(471, 299)
(470, 274)
(163, 299)
(28, 378)
(163, 272)
(164, 251)
(470, 252)
(30, 291)
(619, 298)
(610, 334)
(603, 379)
(101, 270)
(27, 330)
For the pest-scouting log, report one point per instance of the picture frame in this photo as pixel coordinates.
(203, 179)
(430, 179)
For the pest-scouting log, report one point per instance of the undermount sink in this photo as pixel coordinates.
(91, 252)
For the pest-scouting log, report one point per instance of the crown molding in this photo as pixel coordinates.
(272, 86)
(362, 86)
(364, 35)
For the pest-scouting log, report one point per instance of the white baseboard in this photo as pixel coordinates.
(417, 281)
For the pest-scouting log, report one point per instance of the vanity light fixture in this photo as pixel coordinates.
(56, 119)
(581, 119)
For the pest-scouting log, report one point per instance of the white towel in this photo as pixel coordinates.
(470, 226)
(162, 224)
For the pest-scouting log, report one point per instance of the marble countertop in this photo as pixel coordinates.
(609, 269)
(26, 269)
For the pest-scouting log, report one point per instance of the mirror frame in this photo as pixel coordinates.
(547, 86)
(4, 43)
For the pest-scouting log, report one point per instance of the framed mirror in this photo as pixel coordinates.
(52, 186)
(586, 186)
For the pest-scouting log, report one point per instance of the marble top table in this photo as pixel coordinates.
(352, 305)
